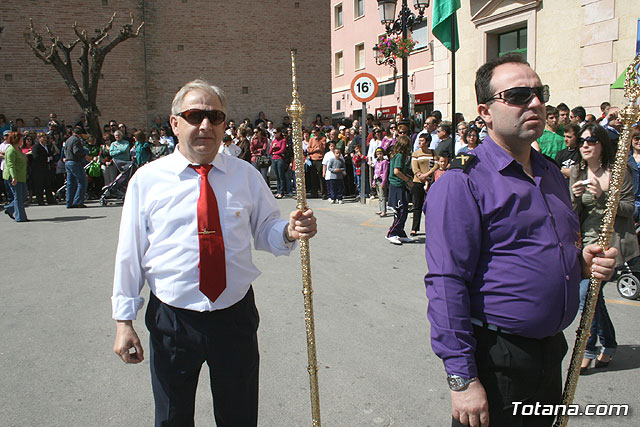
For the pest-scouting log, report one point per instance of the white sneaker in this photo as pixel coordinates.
(333, 201)
(394, 239)
(406, 239)
(340, 202)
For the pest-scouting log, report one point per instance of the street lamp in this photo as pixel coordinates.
(405, 22)
(382, 59)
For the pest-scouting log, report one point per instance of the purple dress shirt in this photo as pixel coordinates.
(501, 248)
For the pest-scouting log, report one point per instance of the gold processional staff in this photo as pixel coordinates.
(295, 111)
(629, 115)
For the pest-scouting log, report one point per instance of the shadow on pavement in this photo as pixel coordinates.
(627, 357)
(67, 218)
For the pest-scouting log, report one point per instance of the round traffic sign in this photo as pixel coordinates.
(364, 87)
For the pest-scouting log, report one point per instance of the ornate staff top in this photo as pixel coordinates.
(296, 109)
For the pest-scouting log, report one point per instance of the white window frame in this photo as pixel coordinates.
(356, 52)
(335, 16)
(355, 9)
(338, 54)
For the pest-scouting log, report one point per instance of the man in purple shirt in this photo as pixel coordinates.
(504, 259)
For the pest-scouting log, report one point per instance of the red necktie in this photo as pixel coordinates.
(213, 275)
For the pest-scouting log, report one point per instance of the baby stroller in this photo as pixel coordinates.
(628, 280)
(61, 193)
(118, 188)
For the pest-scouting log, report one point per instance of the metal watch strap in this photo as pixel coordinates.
(457, 383)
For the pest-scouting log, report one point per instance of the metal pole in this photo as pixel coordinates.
(363, 150)
(453, 72)
(629, 116)
(296, 110)
(405, 64)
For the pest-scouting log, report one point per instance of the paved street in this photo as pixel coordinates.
(376, 367)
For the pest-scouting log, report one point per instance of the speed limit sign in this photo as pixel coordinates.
(364, 87)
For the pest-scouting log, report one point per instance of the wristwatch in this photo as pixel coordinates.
(457, 383)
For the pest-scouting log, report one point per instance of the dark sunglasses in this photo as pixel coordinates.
(591, 140)
(196, 116)
(522, 95)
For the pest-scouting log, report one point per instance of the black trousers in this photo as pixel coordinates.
(317, 181)
(512, 368)
(182, 340)
(43, 185)
(417, 199)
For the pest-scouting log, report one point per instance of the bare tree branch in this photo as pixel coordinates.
(93, 51)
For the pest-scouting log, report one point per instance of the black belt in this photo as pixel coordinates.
(489, 326)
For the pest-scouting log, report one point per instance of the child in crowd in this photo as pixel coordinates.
(228, 147)
(142, 148)
(379, 181)
(336, 172)
(358, 159)
(443, 163)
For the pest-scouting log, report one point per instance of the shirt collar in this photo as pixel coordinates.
(180, 163)
(501, 159)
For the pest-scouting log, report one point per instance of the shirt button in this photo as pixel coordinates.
(561, 245)
(550, 215)
(568, 278)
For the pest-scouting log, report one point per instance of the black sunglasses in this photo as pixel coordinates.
(591, 140)
(196, 116)
(522, 95)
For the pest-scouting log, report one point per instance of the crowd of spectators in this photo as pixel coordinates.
(397, 166)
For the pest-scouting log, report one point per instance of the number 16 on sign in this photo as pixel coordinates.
(364, 87)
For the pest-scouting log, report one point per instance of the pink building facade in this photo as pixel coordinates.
(355, 29)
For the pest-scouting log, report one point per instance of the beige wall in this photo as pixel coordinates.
(578, 47)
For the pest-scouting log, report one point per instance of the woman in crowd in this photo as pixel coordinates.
(4, 125)
(259, 146)
(167, 139)
(471, 140)
(589, 183)
(276, 150)
(109, 170)
(142, 147)
(120, 151)
(157, 149)
(389, 139)
(423, 164)
(400, 182)
(243, 143)
(634, 163)
(15, 173)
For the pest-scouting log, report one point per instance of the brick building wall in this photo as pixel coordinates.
(234, 44)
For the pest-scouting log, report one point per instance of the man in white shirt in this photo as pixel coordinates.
(160, 243)
(228, 147)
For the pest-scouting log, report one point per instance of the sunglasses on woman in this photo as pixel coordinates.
(590, 140)
(521, 95)
(196, 116)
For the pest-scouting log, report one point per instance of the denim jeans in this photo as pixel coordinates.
(279, 168)
(16, 207)
(263, 171)
(76, 183)
(601, 326)
(8, 192)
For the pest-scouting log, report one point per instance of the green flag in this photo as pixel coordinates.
(619, 84)
(443, 12)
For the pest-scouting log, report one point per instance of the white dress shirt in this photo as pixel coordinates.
(158, 233)
(434, 140)
(230, 150)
